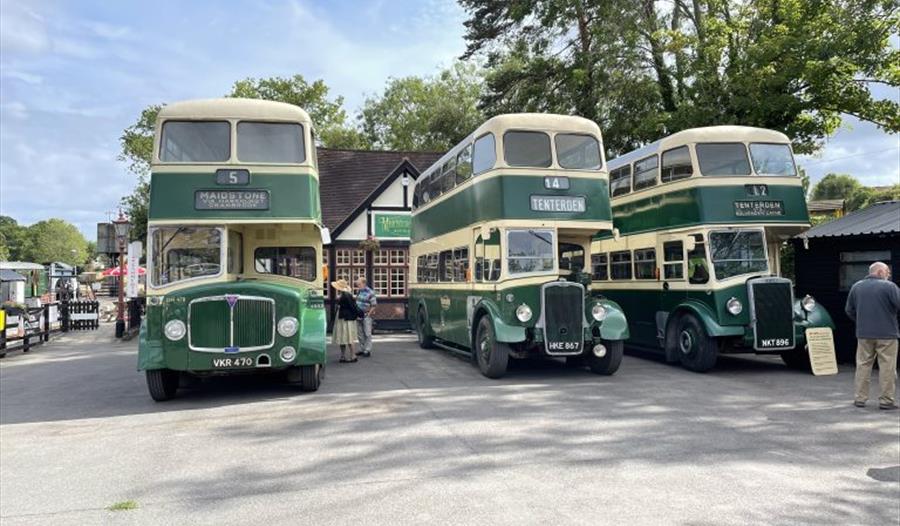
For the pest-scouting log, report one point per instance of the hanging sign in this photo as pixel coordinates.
(391, 226)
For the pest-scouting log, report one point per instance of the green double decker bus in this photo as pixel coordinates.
(501, 226)
(700, 218)
(234, 245)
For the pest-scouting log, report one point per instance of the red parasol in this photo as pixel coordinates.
(114, 271)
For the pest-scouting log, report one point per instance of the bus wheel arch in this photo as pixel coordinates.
(491, 356)
(426, 340)
(696, 349)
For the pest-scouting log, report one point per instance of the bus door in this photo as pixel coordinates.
(484, 270)
(674, 268)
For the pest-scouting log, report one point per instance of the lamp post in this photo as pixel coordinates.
(122, 226)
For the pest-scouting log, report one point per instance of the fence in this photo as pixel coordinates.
(33, 326)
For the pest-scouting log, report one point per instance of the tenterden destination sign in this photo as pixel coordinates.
(553, 203)
(231, 200)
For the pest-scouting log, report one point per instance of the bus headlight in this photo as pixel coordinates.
(598, 312)
(175, 330)
(523, 313)
(808, 303)
(287, 354)
(287, 326)
(734, 306)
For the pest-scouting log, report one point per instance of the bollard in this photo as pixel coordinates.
(45, 337)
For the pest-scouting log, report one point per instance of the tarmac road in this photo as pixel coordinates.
(414, 437)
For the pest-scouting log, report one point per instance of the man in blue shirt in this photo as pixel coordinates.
(873, 305)
(366, 301)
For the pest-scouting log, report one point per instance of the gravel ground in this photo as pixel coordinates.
(411, 437)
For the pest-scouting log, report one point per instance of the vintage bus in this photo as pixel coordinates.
(501, 225)
(700, 218)
(234, 245)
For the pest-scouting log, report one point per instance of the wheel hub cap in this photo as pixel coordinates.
(685, 342)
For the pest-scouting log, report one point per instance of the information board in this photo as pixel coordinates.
(821, 351)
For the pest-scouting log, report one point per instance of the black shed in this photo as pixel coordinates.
(831, 257)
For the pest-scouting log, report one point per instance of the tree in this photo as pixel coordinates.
(425, 113)
(11, 239)
(54, 240)
(865, 196)
(835, 186)
(643, 69)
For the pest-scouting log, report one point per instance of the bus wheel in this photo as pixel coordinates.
(491, 355)
(162, 383)
(797, 359)
(609, 363)
(697, 350)
(425, 341)
(310, 377)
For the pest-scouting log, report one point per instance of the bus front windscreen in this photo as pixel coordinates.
(530, 251)
(737, 252)
(180, 253)
(772, 159)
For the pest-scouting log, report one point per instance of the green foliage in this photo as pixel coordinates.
(646, 69)
(137, 141)
(425, 113)
(835, 186)
(11, 239)
(328, 115)
(54, 240)
(136, 206)
(865, 196)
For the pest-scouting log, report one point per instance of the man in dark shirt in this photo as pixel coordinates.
(873, 305)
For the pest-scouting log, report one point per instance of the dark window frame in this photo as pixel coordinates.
(662, 165)
(616, 193)
(634, 174)
(624, 264)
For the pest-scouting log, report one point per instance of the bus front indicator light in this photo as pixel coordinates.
(734, 306)
(288, 326)
(287, 354)
(523, 313)
(598, 312)
(175, 330)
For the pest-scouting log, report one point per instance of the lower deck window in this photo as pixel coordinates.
(295, 262)
(180, 253)
(620, 265)
(645, 263)
(599, 267)
(673, 260)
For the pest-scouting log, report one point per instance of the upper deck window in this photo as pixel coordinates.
(195, 142)
(723, 158)
(270, 142)
(578, 152)
(676, 164)
(464, 165)
(448, 179)
(645, 172)
(620, 181)
(527, 149)
(772, 159)
(484, 155)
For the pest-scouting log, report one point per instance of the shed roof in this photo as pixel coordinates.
(11, 275)
(347, 178)
(880, 218)
(825, 205)
(20, 265)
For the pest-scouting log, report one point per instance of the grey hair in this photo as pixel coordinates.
(878, 265)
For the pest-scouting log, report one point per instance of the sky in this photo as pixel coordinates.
(73, 75)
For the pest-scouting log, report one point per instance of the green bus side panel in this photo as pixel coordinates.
(291, 196)
(509, 197)
(706, 205)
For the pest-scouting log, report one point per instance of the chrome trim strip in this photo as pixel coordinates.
(230, 324)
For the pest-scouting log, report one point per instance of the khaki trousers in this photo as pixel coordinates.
(886, 351)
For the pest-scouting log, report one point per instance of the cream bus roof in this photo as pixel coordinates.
(706, 134)
(550, 122)
(232, 108)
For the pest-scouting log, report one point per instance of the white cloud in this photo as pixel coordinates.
(22, 29)
(15, 109)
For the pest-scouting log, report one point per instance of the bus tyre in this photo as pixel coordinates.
(425, 341)
(310, 377)
(162, 383)
(610, 362)
(697, 350)
(797, 359)
(491, 355)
